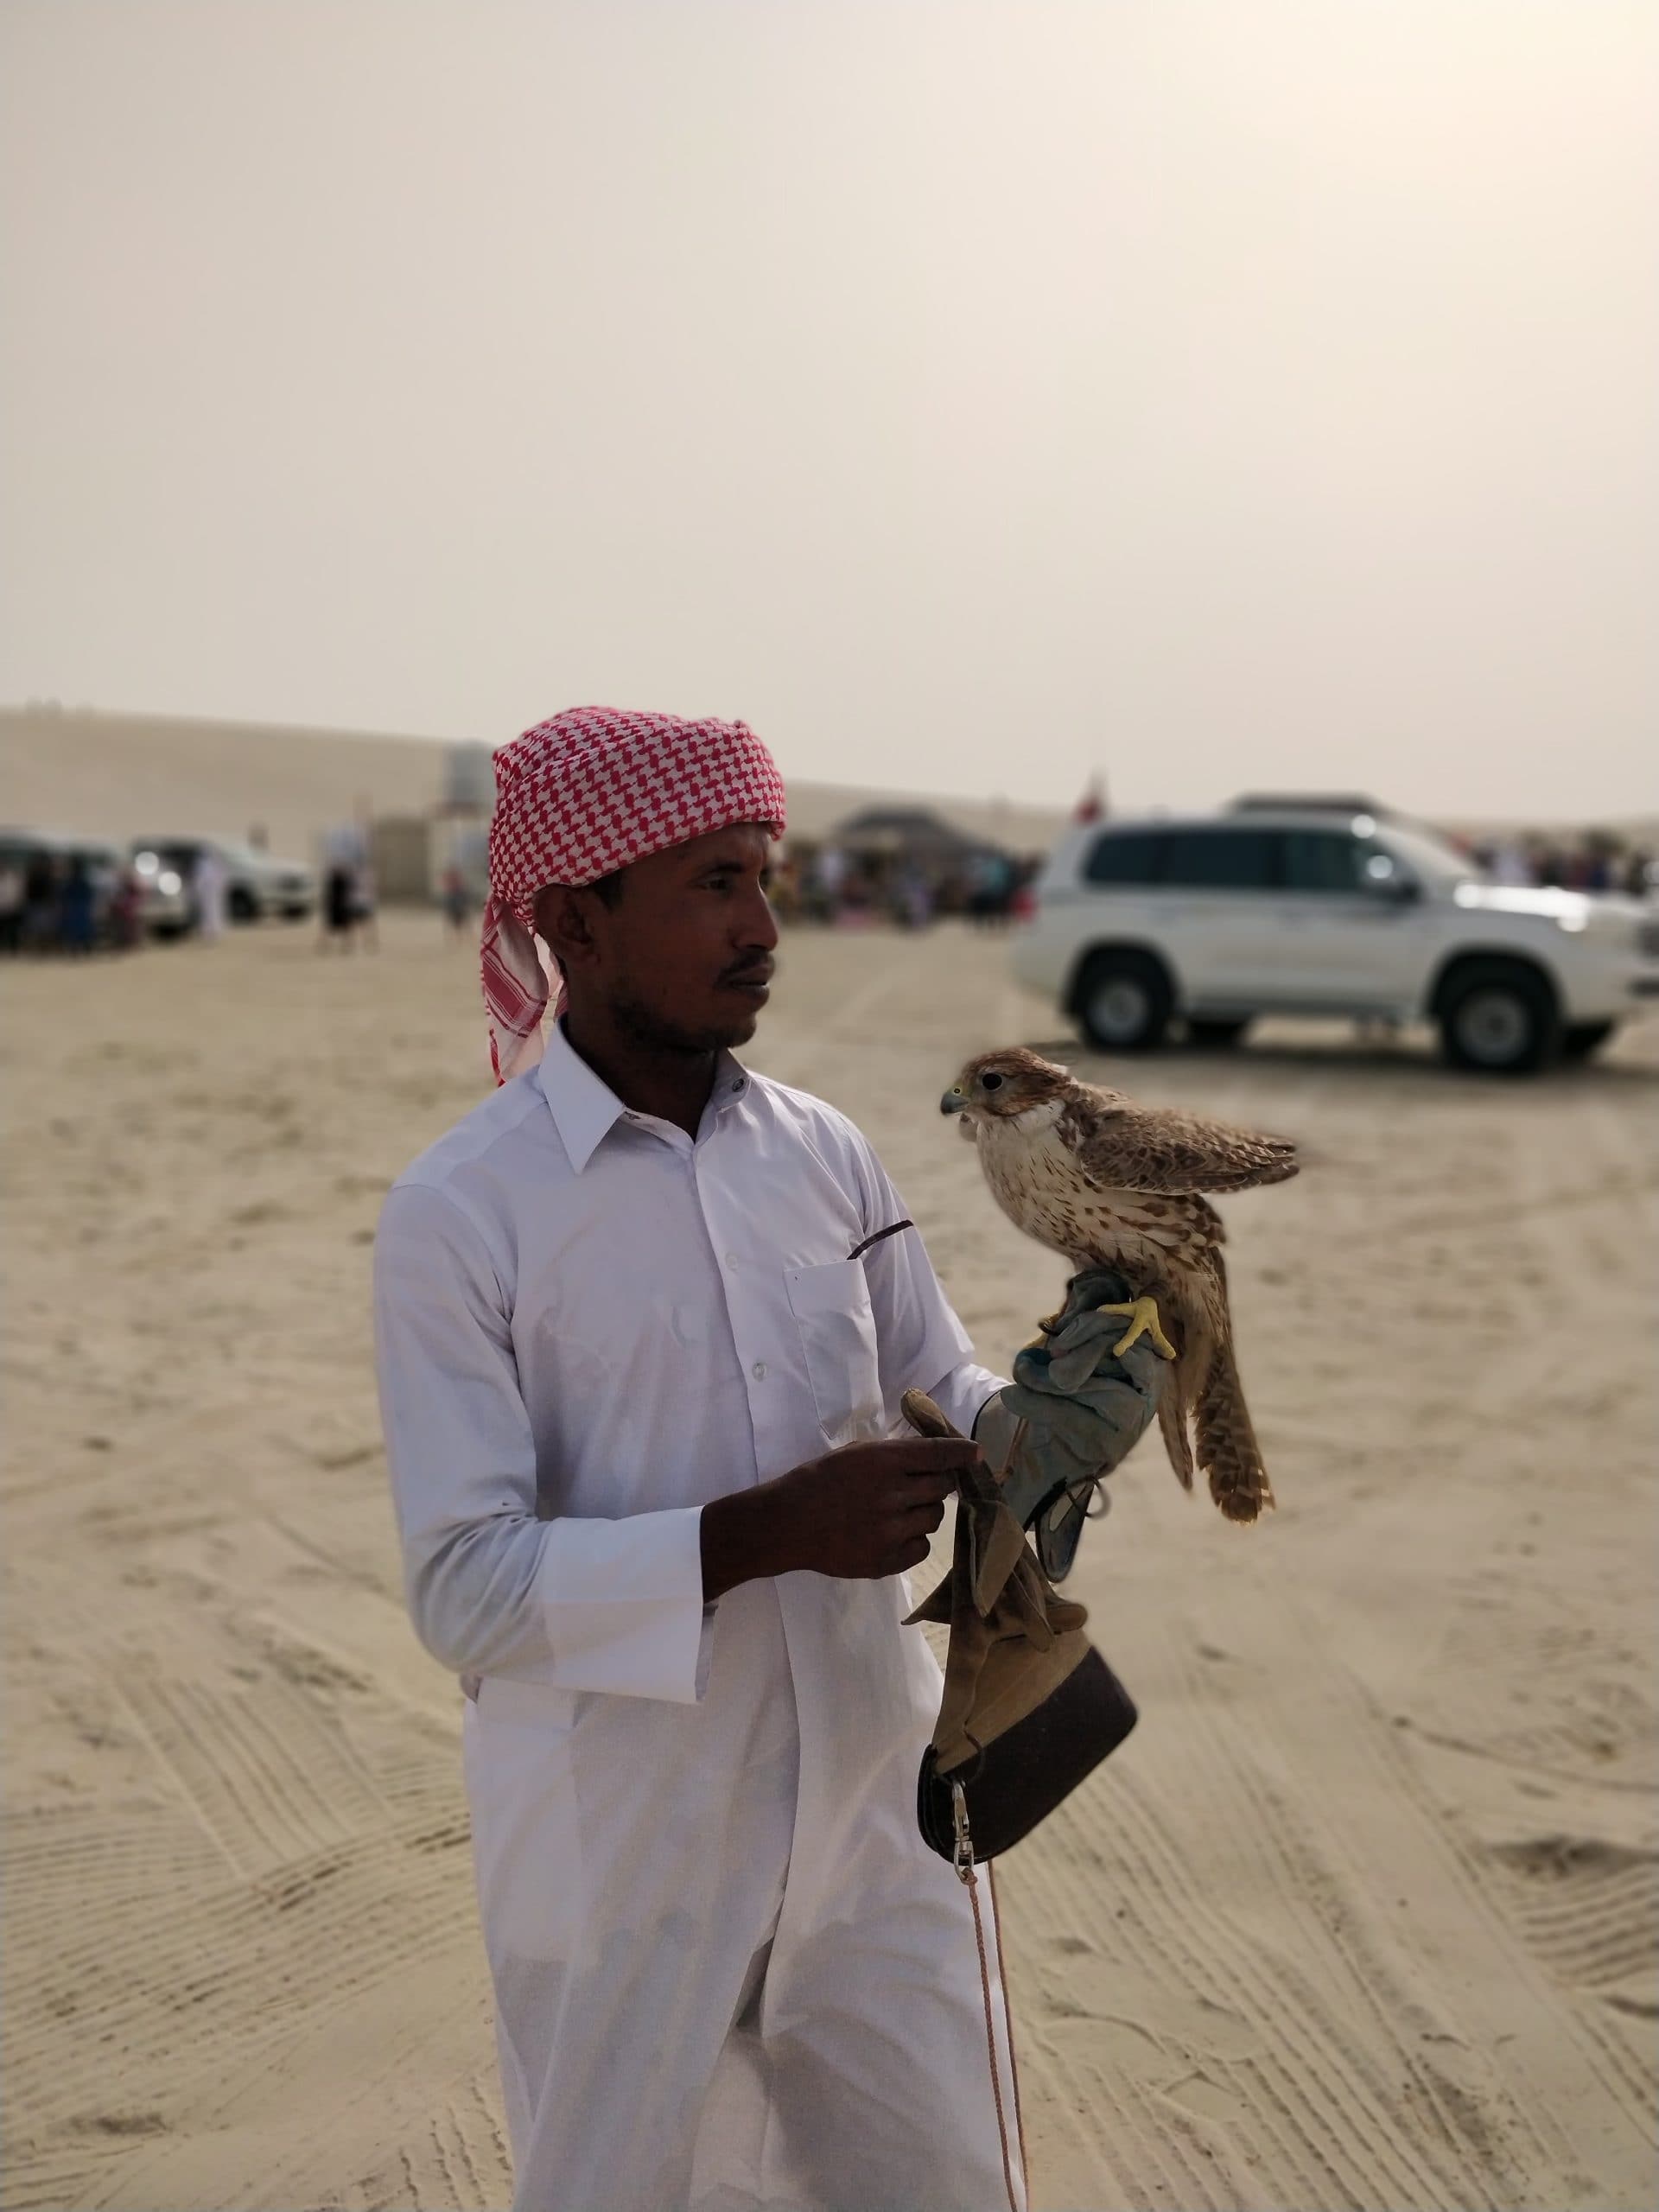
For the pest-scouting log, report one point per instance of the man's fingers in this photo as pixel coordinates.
(912, 1554)
(922, 1455)
(921, 1490)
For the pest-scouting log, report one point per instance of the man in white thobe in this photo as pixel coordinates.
(209, 884)
(642, 1343)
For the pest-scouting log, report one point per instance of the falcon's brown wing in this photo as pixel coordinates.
(1124, 1146)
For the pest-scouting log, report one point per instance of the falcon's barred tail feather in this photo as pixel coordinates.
(1228, 1450)
(1172, 1424)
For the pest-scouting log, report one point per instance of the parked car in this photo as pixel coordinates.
(163, 901)
(257, 883)
(1214, 921)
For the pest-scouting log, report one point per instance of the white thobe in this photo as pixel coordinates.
(208, 884)
(727, 1972)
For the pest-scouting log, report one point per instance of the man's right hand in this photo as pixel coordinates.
(865, 1511)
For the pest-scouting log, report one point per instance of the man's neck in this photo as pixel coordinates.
(649, 1078)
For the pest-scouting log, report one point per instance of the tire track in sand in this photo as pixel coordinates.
(267, 1777)
(1524, 2116)
(201, 2000)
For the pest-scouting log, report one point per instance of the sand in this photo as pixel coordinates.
(1363, 1915)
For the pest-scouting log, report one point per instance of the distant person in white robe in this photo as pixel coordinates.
(644, 1320)
(209, 886)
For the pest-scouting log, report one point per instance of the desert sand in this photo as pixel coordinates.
(1362, 1917)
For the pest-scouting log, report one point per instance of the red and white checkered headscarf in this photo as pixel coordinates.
(576, 797)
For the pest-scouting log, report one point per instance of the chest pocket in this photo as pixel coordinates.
(831, 1306)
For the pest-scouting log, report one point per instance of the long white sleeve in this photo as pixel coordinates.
(612, 1605)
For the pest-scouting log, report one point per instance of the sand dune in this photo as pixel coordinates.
(1362, 1917)
(125, 776)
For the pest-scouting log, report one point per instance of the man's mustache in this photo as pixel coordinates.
(749, 972)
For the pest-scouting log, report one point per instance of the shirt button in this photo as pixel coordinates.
(731, 1259)
(759, 1371)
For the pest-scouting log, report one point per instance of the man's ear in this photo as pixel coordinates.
(564, 920)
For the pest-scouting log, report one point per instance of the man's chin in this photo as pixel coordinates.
(725, 1028)
(726, 1032)
(734, 1017)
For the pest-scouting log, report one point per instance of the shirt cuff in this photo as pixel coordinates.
(962, 1394)
(622, 1605)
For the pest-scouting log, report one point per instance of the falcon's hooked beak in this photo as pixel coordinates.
(954, 1100)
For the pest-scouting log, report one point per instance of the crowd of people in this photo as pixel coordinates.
(1598, 862)
(73, 903)
(63, 897)
(81, 902)
(843, 889)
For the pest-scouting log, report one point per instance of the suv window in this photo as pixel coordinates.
(1321, 859)
(1221, 859)
(1125, 856)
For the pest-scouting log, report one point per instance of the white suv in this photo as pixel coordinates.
(257, 885)
(1295, 910)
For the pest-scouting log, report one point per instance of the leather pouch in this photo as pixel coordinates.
(1018, 1779)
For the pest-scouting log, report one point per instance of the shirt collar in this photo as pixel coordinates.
(585, 1109)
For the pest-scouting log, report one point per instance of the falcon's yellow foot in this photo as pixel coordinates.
(1143, 1317)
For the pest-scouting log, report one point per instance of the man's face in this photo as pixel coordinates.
(682, 955)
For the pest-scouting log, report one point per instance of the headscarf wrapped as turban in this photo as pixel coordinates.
(579, 796)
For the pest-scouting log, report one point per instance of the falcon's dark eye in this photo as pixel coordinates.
(992, 1082)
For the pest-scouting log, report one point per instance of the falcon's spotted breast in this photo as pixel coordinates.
(1107, 1183)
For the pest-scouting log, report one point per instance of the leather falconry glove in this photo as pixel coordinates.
(1014, 1638)
(1029, 1706)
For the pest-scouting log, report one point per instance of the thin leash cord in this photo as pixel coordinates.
(891, 1230)
(1007, 2021)
(972, 1881)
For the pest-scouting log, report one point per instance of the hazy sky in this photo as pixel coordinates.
(1263, 393)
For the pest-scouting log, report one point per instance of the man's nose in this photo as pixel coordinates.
(757, 923)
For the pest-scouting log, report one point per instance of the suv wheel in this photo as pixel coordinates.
(243, 906)
(1499, 1017)
(1214, 1036)
(1123, 1002)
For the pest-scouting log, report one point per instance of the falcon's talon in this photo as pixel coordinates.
(1145, 1321)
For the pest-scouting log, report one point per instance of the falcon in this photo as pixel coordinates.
(1105, 1182)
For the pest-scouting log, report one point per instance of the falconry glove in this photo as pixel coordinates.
(1014, 1638)
(1075, 1409)
(1028, 1706)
